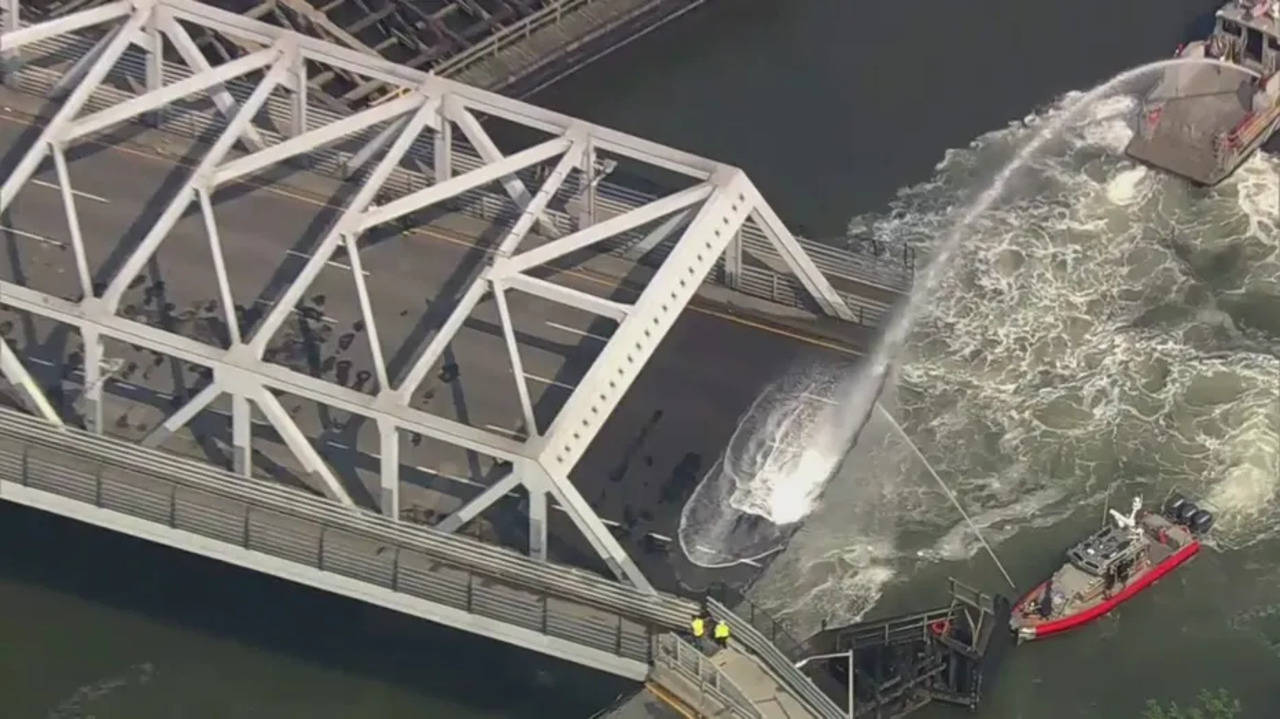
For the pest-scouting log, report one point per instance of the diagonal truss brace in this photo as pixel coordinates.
(13, 370)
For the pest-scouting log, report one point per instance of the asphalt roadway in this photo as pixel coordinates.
(674, 421)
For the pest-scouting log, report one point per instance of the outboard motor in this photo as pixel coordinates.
(1201, 521)
(1185, 512)
(1173, 504)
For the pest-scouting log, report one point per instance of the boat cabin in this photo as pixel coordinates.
(1100, 554)
(1247, 32)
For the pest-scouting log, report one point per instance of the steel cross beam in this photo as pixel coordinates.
(711, 212)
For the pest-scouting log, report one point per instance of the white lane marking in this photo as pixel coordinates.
(575, 331)
(504, 430)
(166, 395)
(605, 522)
(339, 445)
(44, 362)
(126, 385)
(544, 380)
(32, 235)
(296, 311)
(446, 475)
(296, 253)
(806, 395)
(660, 537)
(86, 195)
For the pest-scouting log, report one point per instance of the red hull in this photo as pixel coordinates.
(1092, 613)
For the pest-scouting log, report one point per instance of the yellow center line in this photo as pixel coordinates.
(466, 242)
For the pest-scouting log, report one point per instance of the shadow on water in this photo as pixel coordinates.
(199, 596)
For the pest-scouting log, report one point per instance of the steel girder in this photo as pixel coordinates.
(714, 208)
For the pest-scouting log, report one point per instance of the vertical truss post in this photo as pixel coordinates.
(155, 67)
(241, 436)
(442, 154)
(537, 523)
(13, 370)
(57, 125)
(9, 57)
(588, 216)
(389, 475)
(93, 379)
(298, 108)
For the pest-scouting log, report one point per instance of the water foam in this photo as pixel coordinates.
(1106, 324)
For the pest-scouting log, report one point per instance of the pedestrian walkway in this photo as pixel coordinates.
(762, 689)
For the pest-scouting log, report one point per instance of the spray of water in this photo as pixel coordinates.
(947, 491)
(797, 468)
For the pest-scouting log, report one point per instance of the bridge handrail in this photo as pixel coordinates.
(672, 652)
(508, 36)
(783, 668)
(461, 552)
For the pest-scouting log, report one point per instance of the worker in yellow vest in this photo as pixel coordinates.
(699, 627)
(721, 633)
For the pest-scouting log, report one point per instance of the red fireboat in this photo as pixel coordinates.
(1111, 566)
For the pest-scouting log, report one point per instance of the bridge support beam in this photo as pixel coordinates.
(389, 460)
(241, 436)
(21, 379)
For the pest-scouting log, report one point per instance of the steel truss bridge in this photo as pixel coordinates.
(425, 148)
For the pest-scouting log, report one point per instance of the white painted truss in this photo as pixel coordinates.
(711, 212)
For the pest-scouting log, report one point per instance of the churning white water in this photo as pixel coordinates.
(1105, 323)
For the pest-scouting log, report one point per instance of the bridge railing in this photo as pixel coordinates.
(709, 688)
(782, 667)
(450, 570)
(508, 36)
(195, 120)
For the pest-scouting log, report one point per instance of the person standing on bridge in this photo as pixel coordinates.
(699, 628)
(721, 633)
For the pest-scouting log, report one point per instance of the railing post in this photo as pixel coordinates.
(25, 480)
(320, 549)
(470, 581)
(97, 488)
(173, 505)
(617, 643)
(545, 601)
(395, 570)
(248, 509)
